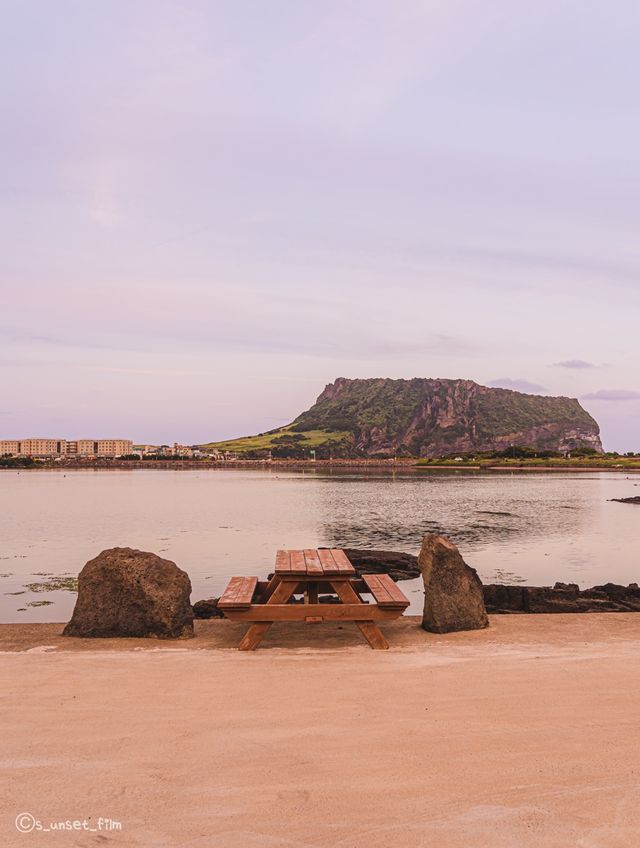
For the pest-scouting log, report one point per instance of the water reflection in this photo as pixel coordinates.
(538, 528)
(397, 512)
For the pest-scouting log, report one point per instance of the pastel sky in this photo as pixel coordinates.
(209, 210)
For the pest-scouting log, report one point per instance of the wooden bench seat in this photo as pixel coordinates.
(239, 593)
(385, 592)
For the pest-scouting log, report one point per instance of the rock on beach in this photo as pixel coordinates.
(125, 592)
(453, 598)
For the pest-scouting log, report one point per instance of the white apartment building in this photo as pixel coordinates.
(33, 447)
(9, 448)
(100, 447)
(48, 448)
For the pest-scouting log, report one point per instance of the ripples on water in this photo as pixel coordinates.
(472, 512)
(512, 527)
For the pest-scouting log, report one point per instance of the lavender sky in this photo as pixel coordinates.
(208, 210)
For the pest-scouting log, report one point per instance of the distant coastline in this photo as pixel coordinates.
(621, 464)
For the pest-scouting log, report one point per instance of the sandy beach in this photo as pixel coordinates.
(523, 734)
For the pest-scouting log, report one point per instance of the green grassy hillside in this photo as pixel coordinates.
(284, 441)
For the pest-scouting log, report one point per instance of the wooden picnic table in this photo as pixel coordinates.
(311, 573)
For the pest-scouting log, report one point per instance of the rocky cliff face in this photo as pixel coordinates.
(426, 417)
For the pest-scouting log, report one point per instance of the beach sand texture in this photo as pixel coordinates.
(524, 734)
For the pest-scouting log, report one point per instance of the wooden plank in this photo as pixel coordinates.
(342, 561)
(239, 593)
(385, 591)
(265, 590)
(283, 592)
(298, 564)
(255, 633)
(348, 595)
(231, 590)
(311, 588)
(314, 566)
(324, 580)
(283, 562)
(329, 565)
(369, 630)
(253, 636)
(299, 612)
(373, 635)
(395, 591)
(377, 589)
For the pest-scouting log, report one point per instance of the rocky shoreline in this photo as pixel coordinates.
(503, 599)
(562, 597)
(404, 463)
(498, 598)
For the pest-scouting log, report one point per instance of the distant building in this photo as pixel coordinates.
(7, 447)
(100, 447)
(183, 450)
(34, 447)
(61, 448)
(153, 450)
(142, 450)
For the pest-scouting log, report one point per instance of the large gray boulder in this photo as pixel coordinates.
(453, 598)
(124, 592)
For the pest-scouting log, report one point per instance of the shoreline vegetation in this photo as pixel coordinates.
(598, 462)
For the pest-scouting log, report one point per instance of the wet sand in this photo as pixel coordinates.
(525, 734)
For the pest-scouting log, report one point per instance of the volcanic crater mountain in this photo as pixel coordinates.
(424, 418)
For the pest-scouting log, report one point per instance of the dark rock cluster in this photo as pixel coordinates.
(563, 597)
(398, 566)
(207, 609)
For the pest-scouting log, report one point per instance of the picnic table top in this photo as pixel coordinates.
(312, 563)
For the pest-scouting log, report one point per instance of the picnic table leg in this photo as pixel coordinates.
(311, 597)
(271, 587)
(311, 593)
(369, 630)
(373, 635)
(254, 634)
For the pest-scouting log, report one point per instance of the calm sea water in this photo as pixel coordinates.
(534, 528)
